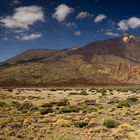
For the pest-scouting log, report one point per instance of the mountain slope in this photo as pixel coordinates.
(112, 61)
(127, 47)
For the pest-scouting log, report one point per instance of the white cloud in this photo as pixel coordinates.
(23, 17)
(5, 38)
(77, 33)
(14, 2)
(132, 23)
(112, 34)
(61, 12)
(29, 37)
(71, 25)
(99, 18)
(123, 25)
(82, 15)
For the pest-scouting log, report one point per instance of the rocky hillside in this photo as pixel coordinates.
(110, 62)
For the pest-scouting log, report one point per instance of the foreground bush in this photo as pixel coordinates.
(10, 90)
(2, 104)
(123, 103)
(110, 123)
(27, 106)
(63, 123)
(62, 102)
(68, 109)
(83, 92)
(90, 102)
(81, 124)
(87, 108)
(45, 110)
(132, 100)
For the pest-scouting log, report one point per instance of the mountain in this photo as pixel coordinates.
(109, 62)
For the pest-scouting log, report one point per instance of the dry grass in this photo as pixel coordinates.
(69, 114)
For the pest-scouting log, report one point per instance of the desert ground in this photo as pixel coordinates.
(69, 114)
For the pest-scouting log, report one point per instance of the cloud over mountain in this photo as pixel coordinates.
(112, 34)
(77, 33)
(132, 23)
(15, 2)
(61, 12)
(29, 37)
(71, 25)
(23, 17)
(82, 15)
(99, 18)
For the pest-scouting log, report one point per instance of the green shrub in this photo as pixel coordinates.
(27, 106)
(62, 102)
(110, 90)
(73, 93)
(113, 101)
(90, 102)
(103, 91)
(47, 105)
(10, 90)
(81, 124)
(33, 97)
(110, 123)
(83, 92)
(68, 109)
(128, 102)
(111, 93)
(45, 110)
(87, 108)
(120, 103)
(132, 100)
(123, 103)
(37, 90)
(2, 104)
(53, 89)
(103, 94)
(15, 104)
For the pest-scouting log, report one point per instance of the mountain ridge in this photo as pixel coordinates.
(112, 61)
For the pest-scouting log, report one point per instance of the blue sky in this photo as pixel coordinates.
(60, 24)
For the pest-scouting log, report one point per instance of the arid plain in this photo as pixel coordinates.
(74, 114)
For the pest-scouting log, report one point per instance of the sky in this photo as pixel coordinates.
(61, 24)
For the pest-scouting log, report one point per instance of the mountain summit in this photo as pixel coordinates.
(112, 61)
(126, 38)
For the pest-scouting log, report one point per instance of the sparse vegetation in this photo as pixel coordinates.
(63, 123)
(132, 100)
(45, 110)
(2, 104)
(26, 106)
(81, 124)
(90, 102)
(123, 103)
(53, 116)
(87, 108)
(68, 109)
(110, 123)
(83, 92)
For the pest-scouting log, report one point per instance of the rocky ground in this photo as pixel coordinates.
(69, 114)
